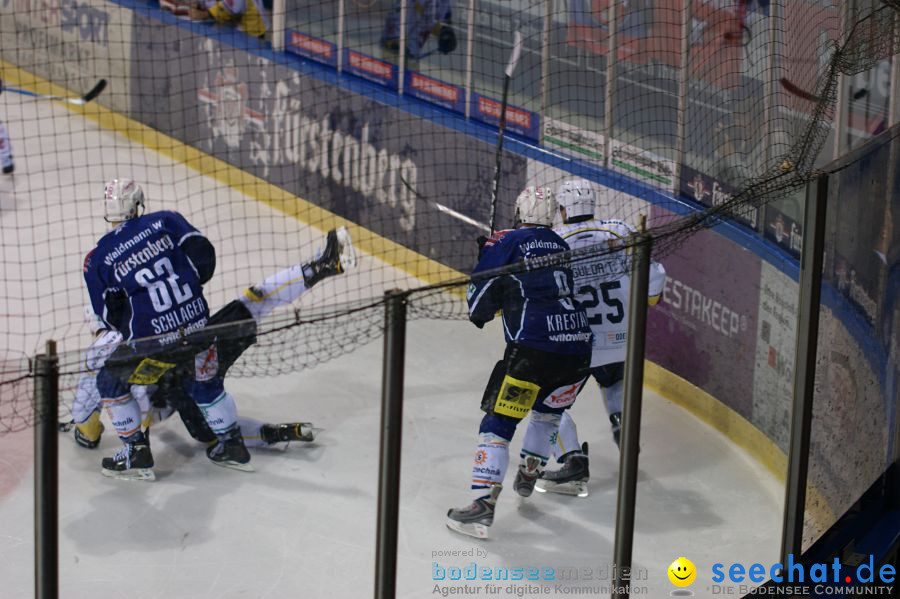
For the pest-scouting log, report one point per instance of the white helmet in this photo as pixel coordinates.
(577, 196)
(536, 206)
(122, 200)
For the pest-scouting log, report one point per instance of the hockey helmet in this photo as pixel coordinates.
(577, 196)
(123, 199)
(536, 206)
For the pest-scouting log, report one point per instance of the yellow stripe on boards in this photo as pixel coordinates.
(738, 429)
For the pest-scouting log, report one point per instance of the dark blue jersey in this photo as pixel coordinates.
(538, 307)
(145, 277)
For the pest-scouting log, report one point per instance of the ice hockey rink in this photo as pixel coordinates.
(303, 524)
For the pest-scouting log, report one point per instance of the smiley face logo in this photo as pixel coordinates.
(682, 572)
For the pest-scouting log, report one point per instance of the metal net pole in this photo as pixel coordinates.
(46, 483)
(641, 244)
(390, 446)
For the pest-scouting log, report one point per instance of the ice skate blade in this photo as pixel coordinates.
(235, 466)
(471, 529)
(309, 434)
(576, 488)
(348, 252)
(142, 474)
(525, 491)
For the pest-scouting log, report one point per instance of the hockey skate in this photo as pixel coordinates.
(230, 452)
(529, 472)
(338, 256)
(133, 462)
(474, 519)
(571, 479)
(289, 431)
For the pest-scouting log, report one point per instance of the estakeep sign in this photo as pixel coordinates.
(372, 164)
(704, 328)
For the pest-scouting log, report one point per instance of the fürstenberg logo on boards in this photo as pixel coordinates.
(282, 135)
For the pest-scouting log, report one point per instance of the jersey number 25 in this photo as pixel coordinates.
(596, 317)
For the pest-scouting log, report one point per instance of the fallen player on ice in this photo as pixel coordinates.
(172, 392)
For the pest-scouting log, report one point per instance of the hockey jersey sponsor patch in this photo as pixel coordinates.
(516, 397)
(206, 364)
(563, 396)
(149, 371)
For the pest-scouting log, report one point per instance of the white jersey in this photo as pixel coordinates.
(602, 284)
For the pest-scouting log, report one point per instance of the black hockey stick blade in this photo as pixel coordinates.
(93, 93)
(96, 91)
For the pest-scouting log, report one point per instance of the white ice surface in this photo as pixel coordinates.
(303, 524)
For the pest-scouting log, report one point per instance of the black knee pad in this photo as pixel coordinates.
(493, 387)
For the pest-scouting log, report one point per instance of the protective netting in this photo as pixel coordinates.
(382, 116)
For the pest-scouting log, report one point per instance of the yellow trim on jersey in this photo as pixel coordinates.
(304, 211)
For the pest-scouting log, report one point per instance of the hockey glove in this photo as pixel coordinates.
(446, 40)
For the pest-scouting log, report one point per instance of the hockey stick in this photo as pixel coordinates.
(802, 93)
(445, 209)
(798, 91)
(95, 91)
(510, 69)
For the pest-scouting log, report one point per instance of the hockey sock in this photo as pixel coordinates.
(125, 415)
(280, 289)
(91, 428)
(251, 431)
(539, 435)
(157, 415)
(566, 439)
(6, 160)
(489, 467)
(87, 398)
(613, 395)
(220, 414)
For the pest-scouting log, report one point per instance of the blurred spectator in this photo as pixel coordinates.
(249, 15)
(423, 18)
